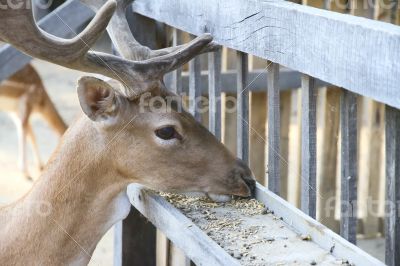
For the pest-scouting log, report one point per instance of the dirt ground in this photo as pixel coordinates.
(61, 86)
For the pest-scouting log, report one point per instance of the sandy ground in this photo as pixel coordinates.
(60, 84)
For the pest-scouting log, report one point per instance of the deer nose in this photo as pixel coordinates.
(245, 174)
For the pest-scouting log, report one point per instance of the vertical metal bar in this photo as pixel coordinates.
(273, 128)
(214, 93)
(348, 122)
(392, 223)
(194, 87)
(308, 146)
(176, 75)
(242, 107)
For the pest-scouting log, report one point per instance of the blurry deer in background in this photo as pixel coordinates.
(21, 95)
(82, 191)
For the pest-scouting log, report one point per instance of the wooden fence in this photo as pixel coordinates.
(305, 47)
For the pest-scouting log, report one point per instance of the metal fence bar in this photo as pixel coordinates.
(214, 93)
(194, 87)
(392, 223)
(273, 128)
(348, 122)
(242, 107)
(177, 74)
(308, 146)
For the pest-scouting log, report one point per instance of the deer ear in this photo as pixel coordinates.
(97, 98)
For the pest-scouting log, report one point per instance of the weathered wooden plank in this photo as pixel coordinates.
(178, 228)
(323, 44)
(134, 241)
(273, 129)
(286, 108)
(348, 122)
(204, 251)
(309, 146)
(392, 224)
(177, 74)
(64, 22)
(242, 103)
(320, 234)
(289, 80)
(214, 93)
(328, 160)
(194, 87)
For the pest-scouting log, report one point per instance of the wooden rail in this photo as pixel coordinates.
(202, 250)
(344, 50)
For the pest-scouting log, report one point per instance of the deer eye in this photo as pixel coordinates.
(167, 133)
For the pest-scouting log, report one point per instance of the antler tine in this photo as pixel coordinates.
(30, 39)
(127, 45)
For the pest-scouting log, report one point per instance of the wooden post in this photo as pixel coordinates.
(348, 121)
(392, 225)
(328, 161)
(134, 241)
(176, 75)
(273, 129)
(285, 111)
(194, 87)
(214, 93)
(242, 123)
(308, 146)
(135, 237)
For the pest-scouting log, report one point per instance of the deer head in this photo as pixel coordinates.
(165, 150)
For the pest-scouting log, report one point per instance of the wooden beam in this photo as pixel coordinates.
(204, 251)
(64, 22)
(194, 87)
(134, 241)
(392, 225)
(273, 129)
(242, 103)
(309, 146)
(343, 50)
(348, 122)
(214, 93)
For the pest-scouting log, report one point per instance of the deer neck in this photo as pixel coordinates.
(77, 199)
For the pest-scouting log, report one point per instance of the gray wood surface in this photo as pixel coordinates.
(320, 234)
(199, 247)
(74, 14)
(308, 146)
(242, 103)
(349, 175)
(343, 50)
(214, 93)
(274, 156)
(177, 74)
(392, 223)
(194, 87)
(204, 251)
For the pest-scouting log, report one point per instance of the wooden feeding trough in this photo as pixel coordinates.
(266, 231)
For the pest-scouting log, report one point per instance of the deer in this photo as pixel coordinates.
(20, 96)
(81, 192)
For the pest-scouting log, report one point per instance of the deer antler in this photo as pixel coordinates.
(136, 76)
(125, 43)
